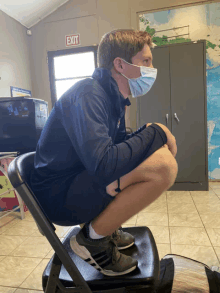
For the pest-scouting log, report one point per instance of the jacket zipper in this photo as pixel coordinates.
(117, 126)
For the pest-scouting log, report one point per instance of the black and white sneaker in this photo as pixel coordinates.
(102, 253)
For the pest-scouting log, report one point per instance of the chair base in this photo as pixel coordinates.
(143, 278)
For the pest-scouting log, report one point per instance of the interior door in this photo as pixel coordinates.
(187, 73)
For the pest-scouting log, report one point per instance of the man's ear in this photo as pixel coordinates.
(118, 64)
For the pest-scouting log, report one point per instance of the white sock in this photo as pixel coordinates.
(93, 234)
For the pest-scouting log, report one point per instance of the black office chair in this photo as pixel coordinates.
(65, 271)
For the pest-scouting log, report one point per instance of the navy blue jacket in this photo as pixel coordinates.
(86, 130)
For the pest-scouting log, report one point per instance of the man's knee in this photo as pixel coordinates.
(160, 166)
(168, 171)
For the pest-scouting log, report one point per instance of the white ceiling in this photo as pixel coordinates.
(30, 12)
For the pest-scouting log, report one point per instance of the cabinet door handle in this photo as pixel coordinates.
(175, 116)
(167, 115)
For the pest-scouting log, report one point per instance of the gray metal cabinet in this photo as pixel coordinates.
(178, 100)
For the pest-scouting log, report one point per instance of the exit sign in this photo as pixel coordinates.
(72, 40)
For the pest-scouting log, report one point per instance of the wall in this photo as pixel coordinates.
(14, 56)
(190, 24)
(92, 19)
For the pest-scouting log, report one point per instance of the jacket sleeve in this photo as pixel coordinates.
(85, 120)
(122, 135)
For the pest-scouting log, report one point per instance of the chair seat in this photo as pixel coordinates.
(144, 250)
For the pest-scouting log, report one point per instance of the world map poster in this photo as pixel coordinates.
(187, 24)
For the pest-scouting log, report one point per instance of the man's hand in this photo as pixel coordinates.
(171, 141)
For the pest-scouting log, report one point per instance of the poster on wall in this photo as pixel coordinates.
(189, 24)
(8, 201)
(18, 92)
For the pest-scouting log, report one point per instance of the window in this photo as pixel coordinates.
(67, 67)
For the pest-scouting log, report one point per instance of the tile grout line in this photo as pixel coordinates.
(19, 287)
(206, 231)
(23, 257)
(27, 276)
(7, 224)
(18, 244)
(190, 245)
(215, 193)
(136, 219)
(168, 224)
(10, 287)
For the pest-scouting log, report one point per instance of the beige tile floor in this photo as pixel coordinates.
(182, 222)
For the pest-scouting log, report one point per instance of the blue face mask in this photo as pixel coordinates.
(141, 85)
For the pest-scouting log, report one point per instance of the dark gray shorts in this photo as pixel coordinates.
(84, 201)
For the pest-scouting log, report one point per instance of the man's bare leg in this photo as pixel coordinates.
(140, 187)
(128, 203)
